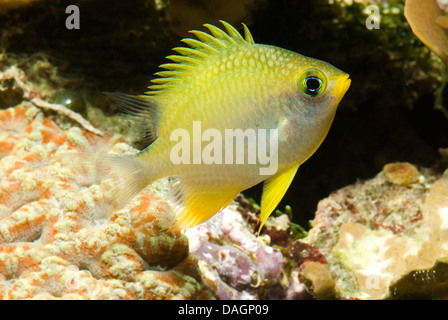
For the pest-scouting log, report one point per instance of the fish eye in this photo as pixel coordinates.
(312, 82)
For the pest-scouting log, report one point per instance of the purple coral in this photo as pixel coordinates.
(241, 265)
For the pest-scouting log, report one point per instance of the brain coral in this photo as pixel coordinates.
(58, 237)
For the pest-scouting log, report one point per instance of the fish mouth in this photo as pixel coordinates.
(342, 85)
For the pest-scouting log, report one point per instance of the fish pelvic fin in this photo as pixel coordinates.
(121, 177)
(195, 204)
(142, 110)
(273, 191)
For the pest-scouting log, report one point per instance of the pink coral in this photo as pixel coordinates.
(239, 264)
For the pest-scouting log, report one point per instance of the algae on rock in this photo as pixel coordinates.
(385, 239)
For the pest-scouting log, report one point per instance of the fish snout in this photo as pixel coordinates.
(342, 84)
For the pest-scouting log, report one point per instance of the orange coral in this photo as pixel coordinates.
(58, 237)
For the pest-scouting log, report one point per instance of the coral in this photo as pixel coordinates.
(443, 4)
(58, 238)
(27, 88)
(382, 238)
(401, 173)
(239, 264)
(71, 99)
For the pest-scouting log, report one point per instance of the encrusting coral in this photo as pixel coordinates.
(239, 264)
(57, 239)
(382, 238)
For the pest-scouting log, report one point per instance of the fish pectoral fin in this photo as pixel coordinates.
(195, 204)
(273, 191)
(143, 111)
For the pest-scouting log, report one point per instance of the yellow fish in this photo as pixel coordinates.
(227, 114)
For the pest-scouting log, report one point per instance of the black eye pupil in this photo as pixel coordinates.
(313, 85)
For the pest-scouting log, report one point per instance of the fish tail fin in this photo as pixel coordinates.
(121, 177)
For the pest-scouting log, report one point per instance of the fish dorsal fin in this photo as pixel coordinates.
(190, 58)
(273, 191)
(142, 111)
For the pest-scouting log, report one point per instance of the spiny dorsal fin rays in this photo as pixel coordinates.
(199, 45)
(189, 52)
(218, 33)
(205, 37)
(163, 80)
(248, 35)
(176, 66)
(206, 46)
(183, 59)
(232, 31)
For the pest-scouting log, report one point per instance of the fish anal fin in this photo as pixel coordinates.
(273, 191)
(195, 204)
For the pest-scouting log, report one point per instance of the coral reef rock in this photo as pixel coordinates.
(239, 264)
(58, 237)
(383, 238)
